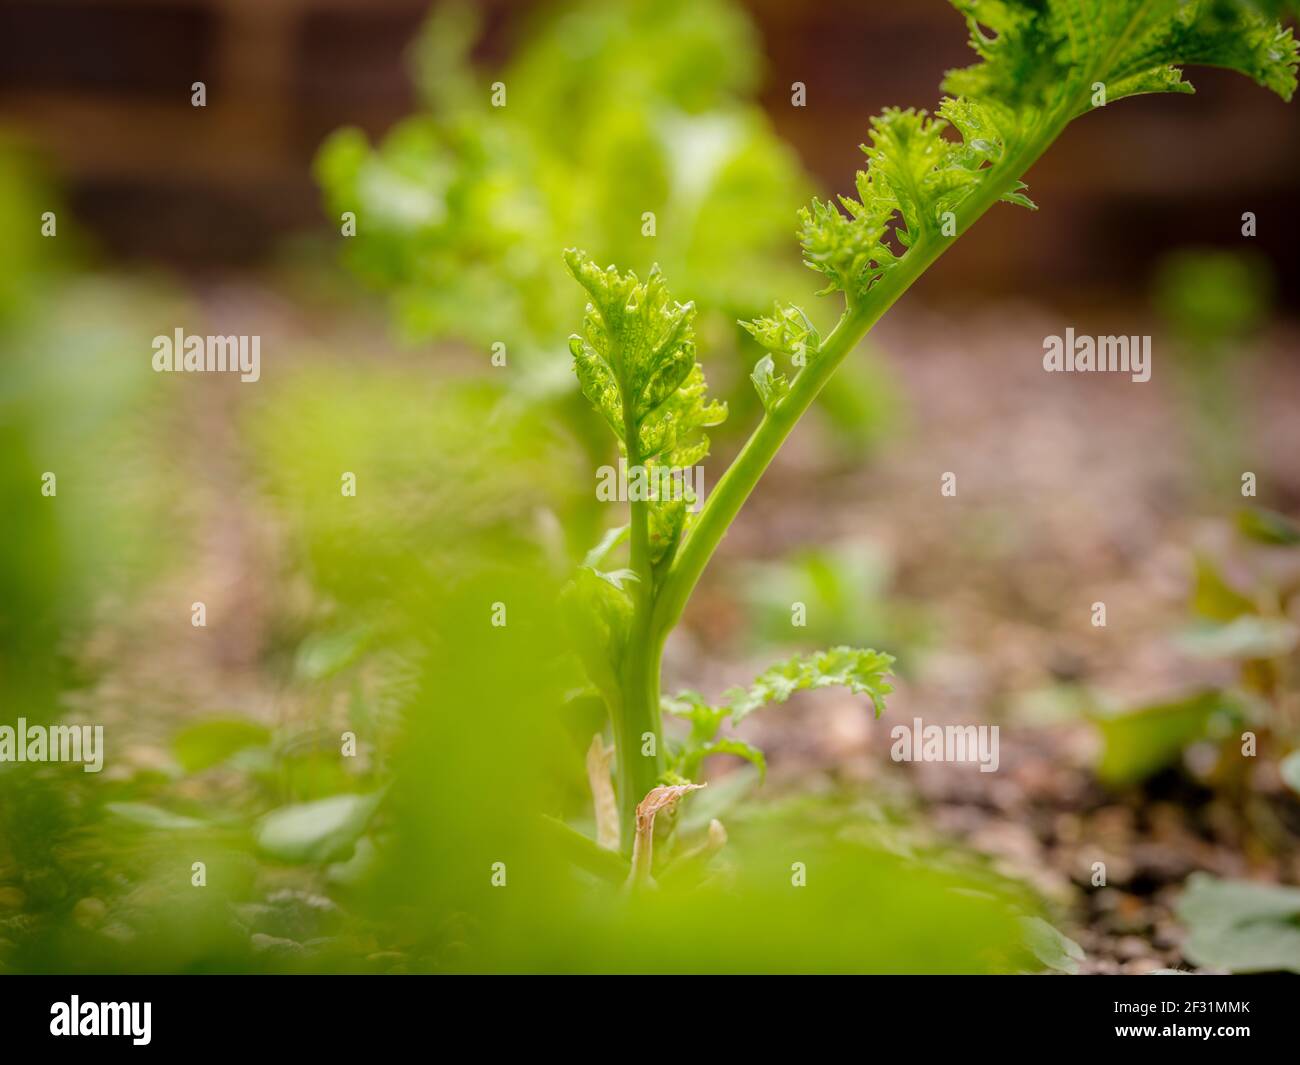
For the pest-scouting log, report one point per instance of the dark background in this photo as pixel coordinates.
(102, 89)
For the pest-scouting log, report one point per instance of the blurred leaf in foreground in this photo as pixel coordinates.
(322, 831)
(208, 743)
(617, 111)
(1268, 527)
(1241, 926)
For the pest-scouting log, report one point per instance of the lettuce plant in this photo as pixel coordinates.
(928, 179)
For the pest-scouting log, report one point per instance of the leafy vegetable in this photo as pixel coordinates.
(928, 178)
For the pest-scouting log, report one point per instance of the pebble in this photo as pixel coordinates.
(1143, 965)
(1128, 948)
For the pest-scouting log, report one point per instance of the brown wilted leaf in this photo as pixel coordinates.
(663, 797)
(602, 793)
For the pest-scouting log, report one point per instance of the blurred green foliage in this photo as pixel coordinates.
(426, 852)
(1138, 742)
(1216, 304)
(85, 486)
(1241, 926)
(1251, 628)
(466, 732)
(612, 110)
(82, 474)
(842, 587)
(1212, 298)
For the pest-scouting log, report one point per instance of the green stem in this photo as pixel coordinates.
(659, 605)
(639, 713)
(641, 723)
(584, 852)
(735, 486)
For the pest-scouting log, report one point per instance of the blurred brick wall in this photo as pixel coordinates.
(103, 87)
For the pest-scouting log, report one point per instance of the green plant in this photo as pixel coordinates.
(612, 109)
(618, 115)
(1241, 926)
(1246, 625)
(1216, 304)
(929, 178)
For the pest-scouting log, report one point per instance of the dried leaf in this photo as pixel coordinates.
(663, 797)
(602, 793)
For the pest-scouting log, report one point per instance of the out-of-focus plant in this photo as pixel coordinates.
(1215, 303)
(841, 589)
(929, 178)
(71, 456)
(1250, 624)
(473, 724)
(1241, 926)
(628, 127)
(85, 483)
(609, 113)
(27, 260)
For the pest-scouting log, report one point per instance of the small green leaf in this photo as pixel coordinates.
(1247, 637)
(1241, 926)
(212, 742)
(1054, 949)
(617, 577)
(1214, 598)
(690, 706)
(1268, 527)
(1137, 743)
(849, 250)
(597, 612)
(1290, 770)
(772, 387)
(788, 331)
(726, 745)
(667, 519)
(322, 831)
(862, 672)
(635, 361)
(596, 557)
(147, 816)
(1018, 197)
(325, 654)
